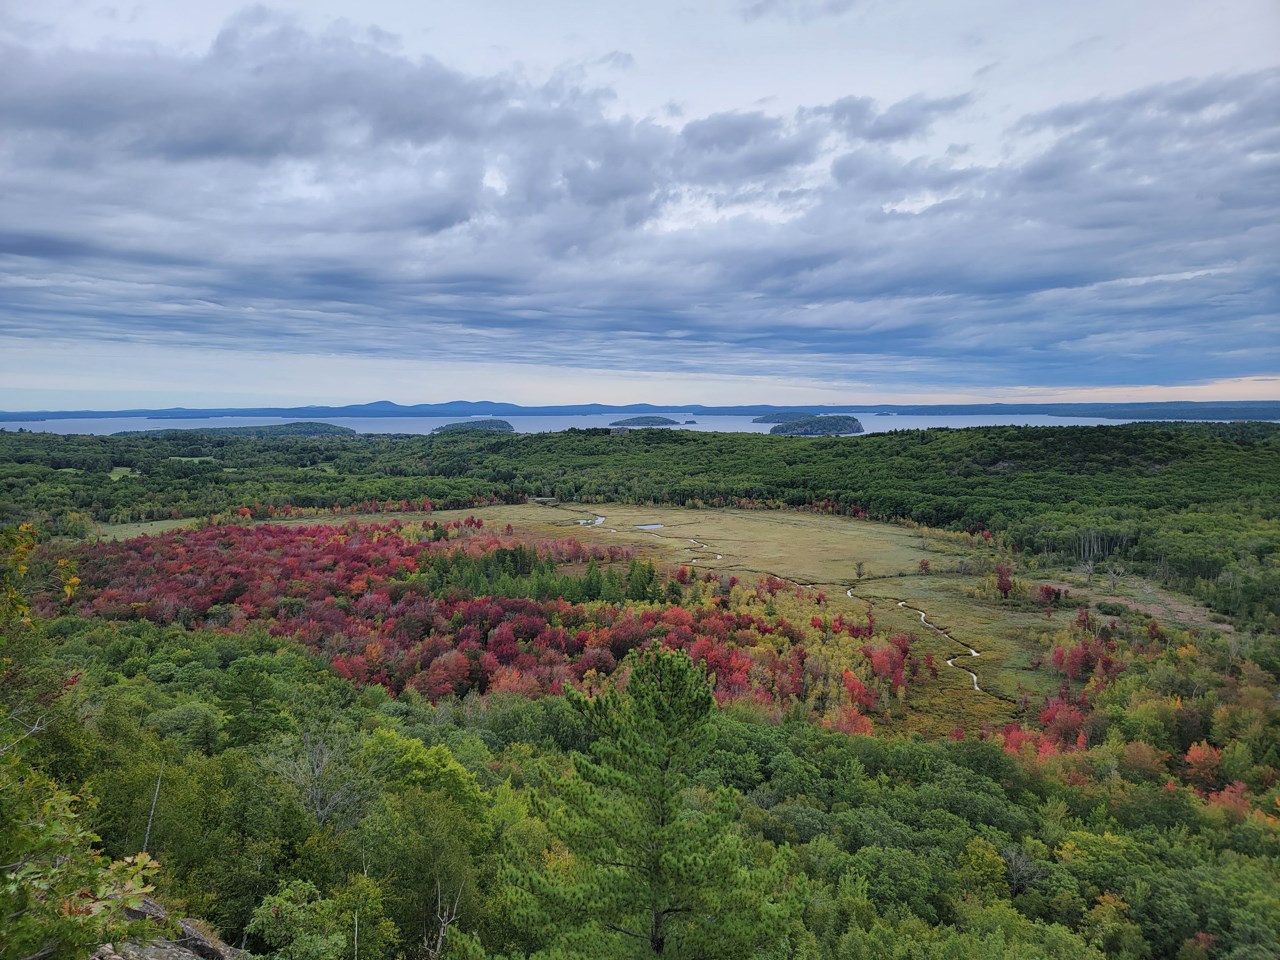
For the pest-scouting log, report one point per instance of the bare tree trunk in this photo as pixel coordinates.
(151, 817)
(446, 916)
(1114, 572)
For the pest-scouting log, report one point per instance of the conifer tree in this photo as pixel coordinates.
(644, 871)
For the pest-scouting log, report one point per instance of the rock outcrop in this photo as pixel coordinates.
(183, 939)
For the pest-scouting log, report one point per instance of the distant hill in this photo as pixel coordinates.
(835, 426)
(494, 426)
(646, 422)
(785, 417)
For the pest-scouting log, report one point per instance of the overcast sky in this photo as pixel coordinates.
(738, 201)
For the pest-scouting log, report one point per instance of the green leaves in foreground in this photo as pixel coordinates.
(59, 898)
(644, 867)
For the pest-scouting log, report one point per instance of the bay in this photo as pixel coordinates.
(871, 423)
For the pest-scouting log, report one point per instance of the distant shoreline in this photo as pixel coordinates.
(529, 424)
(1165, 410)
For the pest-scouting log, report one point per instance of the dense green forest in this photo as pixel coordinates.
(493, 426)
(290, 800)
(1192, 504)
(424, 738)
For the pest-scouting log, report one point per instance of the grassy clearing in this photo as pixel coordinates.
(809, 549)
(127, 531)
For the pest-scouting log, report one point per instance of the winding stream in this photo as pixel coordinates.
(651, 528)
(936, 629)
(702, 546)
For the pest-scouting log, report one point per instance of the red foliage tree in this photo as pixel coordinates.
(1004, 579)
(864, 698)
(1203, 761)
(849, 720)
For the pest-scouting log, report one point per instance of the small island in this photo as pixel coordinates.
(646, 422)
(495, 426)
(831, 426)
(786, 417)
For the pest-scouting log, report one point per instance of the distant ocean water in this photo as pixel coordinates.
(871, 423)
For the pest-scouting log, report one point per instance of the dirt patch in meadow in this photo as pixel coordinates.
(1165, 607)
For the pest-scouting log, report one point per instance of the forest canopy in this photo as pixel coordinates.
(1192, 503)
(333, 724)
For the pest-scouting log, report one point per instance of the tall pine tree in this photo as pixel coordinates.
(644, 871)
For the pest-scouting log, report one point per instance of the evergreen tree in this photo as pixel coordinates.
(593, 582)
(611, 589)
(643, 871)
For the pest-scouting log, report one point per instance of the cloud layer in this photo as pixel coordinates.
(299, 192)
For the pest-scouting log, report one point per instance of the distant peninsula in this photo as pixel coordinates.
(307, 429)
(494, 426)
(784, 417)
(832, 426)
(646, 422)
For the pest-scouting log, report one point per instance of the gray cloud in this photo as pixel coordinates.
(859, 118)
(739, 148)
(913, 116)
(295, 191)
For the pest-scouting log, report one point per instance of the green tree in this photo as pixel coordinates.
(299, 924)
(422, 843)
(982, 871)
(592, 583)
(644, 870)
(16, 544)
(611, 589)
(360, 911)
(59, 897)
